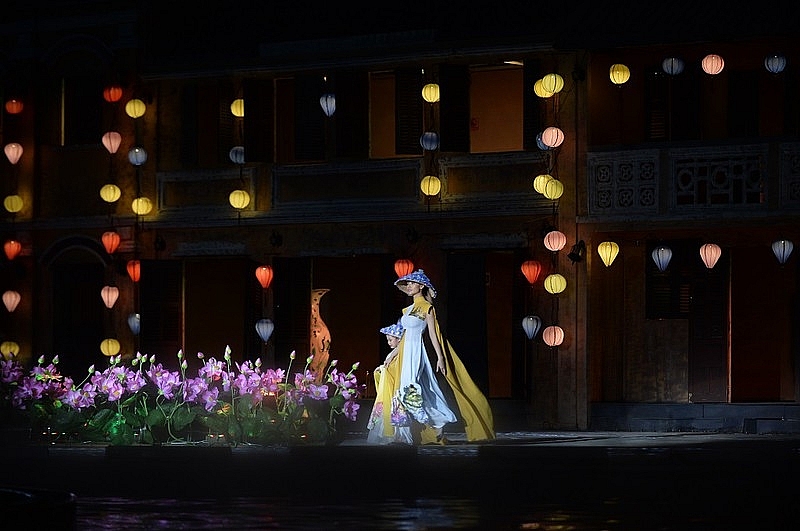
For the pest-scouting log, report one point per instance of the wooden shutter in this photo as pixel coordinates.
(454, 112)
(351, 119)
(408, 111)
(259, 120)
(309, 119)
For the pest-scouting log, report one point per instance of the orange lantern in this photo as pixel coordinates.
(264, 275)
(13, 106)
(12, 249)
(134, 270)
(403, 267)
(112, 93)
(553, 336)
(531, 269)
(110, 241)
(11, 300)
(110, 294)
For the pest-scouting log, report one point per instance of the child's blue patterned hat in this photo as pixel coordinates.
(419, 277)
(395, 330)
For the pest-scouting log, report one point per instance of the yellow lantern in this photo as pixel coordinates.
(608, 252)
(540, 181)
(540, 91)
(239, 199)
(619, 74)
(430, 93)
(110, 193)
(237, 108)
(555, 283)
(13, 203)
(109, 347)
(9, 349)
(141, 206)
(430, 185)
(135, 108)
(553, 189)
(552, 83)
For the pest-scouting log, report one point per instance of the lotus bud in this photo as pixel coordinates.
(334, 363)
(41, 360)
(291, 356)
(55, 360)
(227, 353)
(200, 355)
(153, 358)
(309, 359)
(180, 354)
(356, 364)
(184, 365)
(91, 369)
(258, 362)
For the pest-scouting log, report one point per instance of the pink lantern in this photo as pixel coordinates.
(552, 137)
(553, 336)
(555, 240)
(110, 295)
(713, 64)
(111, 141)
(13, 152)
(710, 253)
(11, 300)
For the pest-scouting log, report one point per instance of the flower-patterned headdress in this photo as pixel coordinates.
(419, 277)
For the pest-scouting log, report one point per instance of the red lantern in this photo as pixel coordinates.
(403, 267)
(110, 241)
(264, 275)
(12, 249)
(13, 106)
(134, 270)
(531, 269)
(112, 93)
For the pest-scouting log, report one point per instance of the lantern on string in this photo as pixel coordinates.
(239, 199)
(264, 275)
(541, 181)
(775, 63)
(13, 203)
(110, 294)
(13, 152)
(555, 240)
(134, 268)
(540, 143)
(403, 267)
(111, 240)
(552, 137)
(328, 103)
(137, 155)
(430, 93)
(539, 90)
(712, 64)
(552, 83)
(555, 284)
(141, 206)
(135, 323)
(429, 141)
(112, 93)
(12, 248)
(109, 347)
(553, 336)
(135, 108)
(710, 253)
(430, 185)
(553, 189)
(111, 141)
(672, 66)
(619, 74)
(264, 327)
(782, 249)
(14, 106)
(531, 325)
(9, 349)
(110, 193)
(236, 154)
(608, 252)
(531, 269)
(11, 300)
(661, 256)
(237, 108)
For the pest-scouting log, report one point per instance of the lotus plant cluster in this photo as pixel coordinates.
(143, 401)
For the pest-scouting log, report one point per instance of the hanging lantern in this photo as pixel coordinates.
(552, 83)
(135, 108)
(111, 141)
(661, 256)
(430, 93)
(553, 336)
(430, 185)
(112, 93)
(608, 252)
(135, 323)
(13, 203)
(782, 249)
(110, 193)
(713, 64)
(539, 90)
(531, 325)
(137, 156)
(12, 249)
(110, 294)
(264, 275)
(710, 253)
(403, 267)
(553, 189)
(552, 137)
(109, 347)
(672, 65)
(13, 152)
(239, 199)
(14, 106)
(11, 299)
(555, 283)
(134, 268)
(328, 104)
(141, 206)
(110, 241)
(429, 141)
(9, 349)
(540, 143)
(540, 182)
(237, 108)
(236, 154)
(775, 63)
(264, 327)
(555, 240)
(531, 269)
(619, 74)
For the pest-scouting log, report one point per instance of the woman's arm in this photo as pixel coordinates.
(430, 319)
